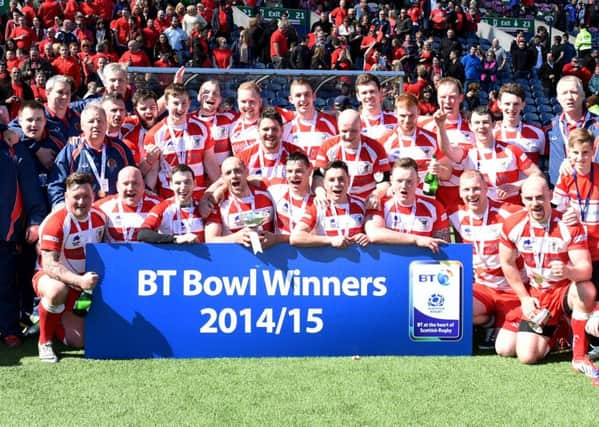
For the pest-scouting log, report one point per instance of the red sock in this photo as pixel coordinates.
(48, 323)
(580, 342)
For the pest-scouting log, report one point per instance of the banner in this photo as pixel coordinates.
(220, 300)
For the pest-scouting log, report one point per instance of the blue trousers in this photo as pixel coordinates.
(9, 295)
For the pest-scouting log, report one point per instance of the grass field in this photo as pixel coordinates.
(479, 391)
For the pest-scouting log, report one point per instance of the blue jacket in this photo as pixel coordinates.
(22, 203)
(472, 67)
(557, 144)
(72, 158)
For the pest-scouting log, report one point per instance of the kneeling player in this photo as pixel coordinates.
(62, 277)
(558, 264)
(478, 221)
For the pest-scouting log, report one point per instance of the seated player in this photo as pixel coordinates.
(62, 276)
(126, 211)
(177, 219)
(341, 222)
(404, 217)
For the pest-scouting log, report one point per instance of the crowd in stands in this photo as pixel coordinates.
(159, 171)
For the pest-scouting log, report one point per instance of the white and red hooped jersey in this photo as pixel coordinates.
(133, 137)
(539, 245)
(500, 164)
(310, 135)
(459, 134)
(123, 222)
(484, 233)
(423, 218)
(421, 147)
(267, 165)
(368, 160)
(167, 217)
(345, 219)
(585, 201)
(243, 135)
(289, 208)
(375, 126)
(530, 138)
(219, 126)
(234, 213)
(62, 232)
(184, 144)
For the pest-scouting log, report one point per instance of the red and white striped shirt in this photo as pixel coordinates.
(423, 218)
(310, 135)
(267, 165)
(346, 219)
(500, 164)
(530, 138)
(363, 163)
(375, 126)
(184, 144)
(62, 232)
(167, 217)
(133, 137)
(233, 213)
(539, 245)
(421, 147)
(243, 135)
(219, 126)
(122, 221)
(484, 233)
(289, 208)
(585, 201)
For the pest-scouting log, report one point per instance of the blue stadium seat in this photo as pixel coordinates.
(531, 117)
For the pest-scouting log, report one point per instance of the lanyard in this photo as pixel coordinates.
(479, 244)
(412, 138)
(563, 129)
(180, 146)
(292, 221)
(127, 231)
(183, 225)
(340, 231)
(244, 134)
(518, 137)
(583, 208)
(273, 169)
(538, 250)
(356, 159)
(378, 121)
(489, 166)
(101, 176)
(398, 221)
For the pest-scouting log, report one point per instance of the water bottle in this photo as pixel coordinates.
(83, 303)
(431, 183)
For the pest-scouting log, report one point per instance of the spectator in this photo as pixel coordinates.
(426, 101)
(421, 81)
(472, 66)
(222, 55)
(500, 54)
(300, 56)
(550, 75)
(594, 82)
(323, 22)
(65, 34)
(47, 11)
(318, 61)
(222, 21)
(35, 63)
(242, 51)
(66, 65)
(488, 77)
(568, 49)
(403, 25)
(134, 56)
(448, 44)
(38, 87)
(279, 45)
(338, 14)
(523, 59)
(472, 98)
(575, 68)
(190, 18)
(22, 34)
(16, 93)
(177, 38)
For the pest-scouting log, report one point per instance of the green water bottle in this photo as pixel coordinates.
(431, 183)
(83, 303)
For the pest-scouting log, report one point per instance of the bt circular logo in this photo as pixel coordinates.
(443, 278)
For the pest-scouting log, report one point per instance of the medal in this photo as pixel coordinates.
(538, 279)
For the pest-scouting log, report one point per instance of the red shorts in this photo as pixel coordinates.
(553, 299)
(71, 296)
(500, 303)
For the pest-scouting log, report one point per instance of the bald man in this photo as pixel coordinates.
(126, 210)
(366, 159)
(558, 264)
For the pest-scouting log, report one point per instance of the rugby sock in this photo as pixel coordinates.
(580, 342)
(49, 319)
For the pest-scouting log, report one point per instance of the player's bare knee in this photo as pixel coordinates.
(529, 358)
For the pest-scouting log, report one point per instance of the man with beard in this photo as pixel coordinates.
(114, 107)
(126, 211)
